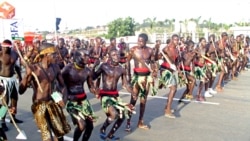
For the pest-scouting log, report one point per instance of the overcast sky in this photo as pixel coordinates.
(81, 13)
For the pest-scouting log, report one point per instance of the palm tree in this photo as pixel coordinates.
(160, 26)
(185, 23)
(151, 23)
(170, 24)
(197, 22)
(137, 27)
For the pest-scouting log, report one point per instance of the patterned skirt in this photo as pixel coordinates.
(80, 110)
(49, 114)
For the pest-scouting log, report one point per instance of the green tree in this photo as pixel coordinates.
(197, 22)
(121, 27)
(89, 28)
(151, 24)
(170, 24)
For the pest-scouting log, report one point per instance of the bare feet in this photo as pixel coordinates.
(219, 88)
(200, 98)
(170, 115)
(141, 125)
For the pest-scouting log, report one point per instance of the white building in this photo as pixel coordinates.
(241, 30)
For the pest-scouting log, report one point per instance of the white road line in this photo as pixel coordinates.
(66, 138)
(7, 120)
(177, 99)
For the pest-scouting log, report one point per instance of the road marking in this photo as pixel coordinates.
(177, 99)
(7, 120)
(66, 138)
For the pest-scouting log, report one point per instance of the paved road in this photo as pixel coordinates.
(225, 117)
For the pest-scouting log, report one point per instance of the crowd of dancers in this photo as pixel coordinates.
(57, 74)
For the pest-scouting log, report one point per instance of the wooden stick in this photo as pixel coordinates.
(11, 117)
(208, 59)
(164, 55)
(60, 56)
(143, 63)
(32, 73)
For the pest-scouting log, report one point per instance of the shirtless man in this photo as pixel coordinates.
(167, 70)
(111, 103)
(200, 69)
(104, 52)
(157, 53)
(182, 44)
(144, 65)
(188, 57)
(75, 75)
(95, 52)
(244, 51)
(211, 65)
(30, 54)
(95, 55)
(76, 45)
(3, 112)
(8, 58)
(123, 52)
(62, 52)
(44, 107)
(234, 45)
(221, 62)
(112, 45)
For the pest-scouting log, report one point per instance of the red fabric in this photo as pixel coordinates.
(235, 53)
(92, 60)
(141, 70)
(187, 68)
(102, 92)
(122, 60)
(6, 45)
(81, 96)
(198, 64)
(208, 62)
(165, 64)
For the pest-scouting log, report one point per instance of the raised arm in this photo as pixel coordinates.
(26, 79)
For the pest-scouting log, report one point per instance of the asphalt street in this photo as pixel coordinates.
(224, 117)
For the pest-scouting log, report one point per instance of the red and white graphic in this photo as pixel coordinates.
(7, 11)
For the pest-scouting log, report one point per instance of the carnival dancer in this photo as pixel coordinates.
(221, 45)
(167, 71)
(186, 66)
(76, 44)
(112, 45)
(104, 51)
(123, 52)
(62, 52)
(30, 54)
(235, 52)
(244, 52)
(111, 103)
(95, 55)
(8, 58)
(200, 70)
(211, 66)
(144, 69)
(95, 52)
(47, 104)
(157, 53)
(75, 75)
(3, 111)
